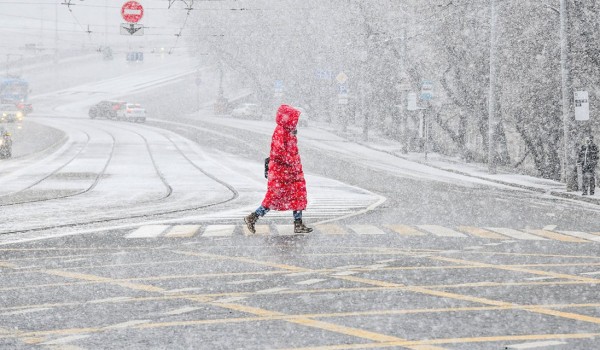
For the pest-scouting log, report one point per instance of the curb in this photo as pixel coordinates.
(566, 195)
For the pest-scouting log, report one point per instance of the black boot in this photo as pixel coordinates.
(299, 227)
(250, 220)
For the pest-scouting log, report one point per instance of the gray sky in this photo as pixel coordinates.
(34, 22)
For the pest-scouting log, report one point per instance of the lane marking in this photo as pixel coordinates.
(218, 231)
(440, 231)
(229, 300)
(65, 340)
(479, 232)
(366, 230)
(261, 230)
(557, 236)
(311, 281)
(127, 324)
(404, 230)
(183, 310)
(248, 281)
(331, 229)
(148, 231)
(182, 231)
(590, 273)
(537, 344)
(516, 234)
(550, 227)
(583, 235)
(344, 273)
(271, 290)
(285, 230)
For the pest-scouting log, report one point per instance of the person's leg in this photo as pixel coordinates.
(592, 184)
(586, 183)
(299, 227)
(251, 219)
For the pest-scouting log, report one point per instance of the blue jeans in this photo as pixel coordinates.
(261, 211)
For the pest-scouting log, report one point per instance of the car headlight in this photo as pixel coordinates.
(1, 142)
(19, 114)
(4, 114)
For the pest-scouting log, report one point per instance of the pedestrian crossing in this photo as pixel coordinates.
(490, 233)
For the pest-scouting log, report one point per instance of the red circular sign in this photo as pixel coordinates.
(132, 11)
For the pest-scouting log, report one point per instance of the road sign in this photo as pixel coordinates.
(132, 11)
(132, 29)
(135, 56)
(427, 90)
(582, 106)
(341, 78)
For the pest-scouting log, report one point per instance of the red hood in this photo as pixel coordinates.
(287, 117)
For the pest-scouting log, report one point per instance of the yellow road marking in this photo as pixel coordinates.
(244, 260)
(93, 278)
(557, 236)
(520, 269)
(479, 232)
(182, 231)
(404, 230)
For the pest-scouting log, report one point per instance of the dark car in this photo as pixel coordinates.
(105, 109)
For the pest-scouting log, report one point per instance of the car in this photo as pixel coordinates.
(132, 112)
(106, 109)
(24, 107)
(247, 110)
(10, 113)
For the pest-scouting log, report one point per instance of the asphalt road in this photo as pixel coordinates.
(442, 263)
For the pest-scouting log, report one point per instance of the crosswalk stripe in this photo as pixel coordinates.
(148, 231)
(218, 230)
(583, 235)
(183, 231)
(405, 230)
(516, 234)
(261, 230)
(479, 232)
(285, 230)
(366, 229)
(440, 231)
(557, 236)
(331, 229)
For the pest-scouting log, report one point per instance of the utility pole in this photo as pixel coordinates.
(569, 171)
(492, 92)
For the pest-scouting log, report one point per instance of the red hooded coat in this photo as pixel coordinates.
(286, 186)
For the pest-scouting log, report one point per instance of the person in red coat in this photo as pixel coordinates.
(286, 186)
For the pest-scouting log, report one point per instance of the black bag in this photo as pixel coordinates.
(267, 167)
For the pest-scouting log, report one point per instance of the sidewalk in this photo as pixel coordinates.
(456, 165)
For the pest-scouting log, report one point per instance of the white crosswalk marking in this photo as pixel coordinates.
(583, 235)
(183, 231)
(148, 231)
(331, 229)
(210, 231)
(218, 230)
(366, 230)
(440, 231)
(285, 230)
(516, 234)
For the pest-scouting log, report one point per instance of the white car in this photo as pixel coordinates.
(131, 112)
(247, 110)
